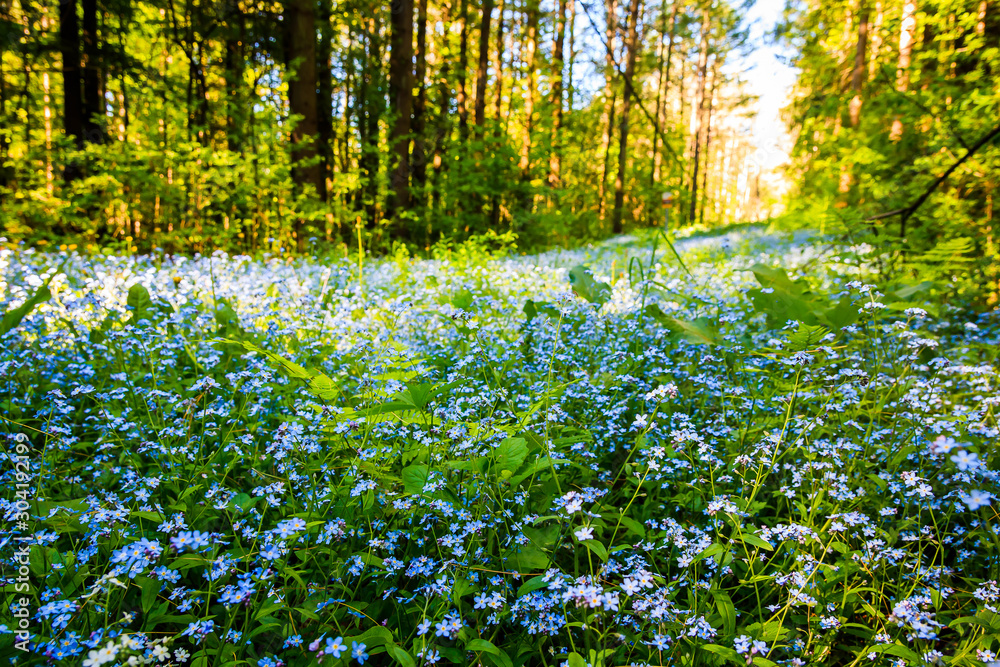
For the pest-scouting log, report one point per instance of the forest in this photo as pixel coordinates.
(340, 332)
(190, 125)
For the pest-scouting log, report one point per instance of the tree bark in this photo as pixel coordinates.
(301, 53)
(698, 114)
(482, 71)
(631, 48)
(93, 98)
(401, 96)
(858, 75)
(555, 157)
(610, 98)
(419, 155)
(461, 97)
(907, 32)
(531, 16)
(708, 143)
(663, 88)
(234, 63)
(324, 102)
(69, 46)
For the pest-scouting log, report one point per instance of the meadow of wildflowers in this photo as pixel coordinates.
(599, 457)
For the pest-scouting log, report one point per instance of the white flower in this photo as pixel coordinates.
(585, 533)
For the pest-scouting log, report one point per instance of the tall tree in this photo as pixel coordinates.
(555, 150)
(482, 71)
(93, 94)
(858, 74)
(698, 113)
(663, 83)
(401, 97)
(531, 77)
(300, 30)
(461, 96)
(419, 156)
(907, 32)
(69, 47)
(324, 101)
(610, 99)
(631, 46)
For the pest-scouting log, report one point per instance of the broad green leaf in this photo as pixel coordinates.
(400, 655)
(480, 645)
(377, 636)
(139, 301)
(511, 453)
(588, 287)
(576, 660)
(415, 477)
(530, 559)
(727, 611)
(725, 652)
(532, 584)
(757, 541)
(599, 549)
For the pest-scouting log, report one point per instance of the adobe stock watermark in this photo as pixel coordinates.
(21, 561)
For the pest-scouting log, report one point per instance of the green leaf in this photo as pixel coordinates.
(700, 332)
(530, 559)
(400, 655)
(139, 301)
(480, 645)
(14, 316)
(511, 453)
(599, 549)
(539, 464)
(533, 308)
(727, 611)
(634, 527)
(377, 636)
(725, 652)
(150, 590)
(415, 478)
(576, 660)
(757, 541)
(418, 395)
(588, 287)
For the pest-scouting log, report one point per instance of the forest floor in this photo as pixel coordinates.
(736, 451)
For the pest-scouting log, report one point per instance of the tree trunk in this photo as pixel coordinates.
(324, 102)
(419, 156)
(698, 114)
(708, 143)
(531, 16)
(498, 110)
(461, 97)
(301, 52)
(555, 159)
(93, 98)
(234, 64)
(907, 32)
(69, 46)
(572, 57)
(610, 98)
(662, 89)
(401, 96)
(482, 71)
(631, 48)
(858, 75)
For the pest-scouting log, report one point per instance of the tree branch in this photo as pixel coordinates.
(908, 211)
